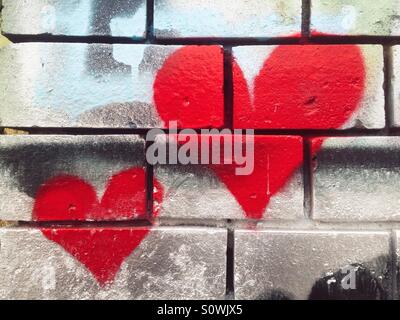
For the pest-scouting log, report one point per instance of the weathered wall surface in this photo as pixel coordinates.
(84, 216)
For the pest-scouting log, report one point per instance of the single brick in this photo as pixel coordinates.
(272, 190)
(72, 178)
(356, 178)
(282, 264)
(309, 87)
(112, 263)
(396, 86)
(101, 85)
(123, 18)
(355, 17)
(240, 18)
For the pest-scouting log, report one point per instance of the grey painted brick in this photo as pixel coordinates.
(287, 264)
(28, 163)
(195, 191)
(122, 18)
(356, 17)
(356, 178)
(170, 263)
(224, 18)
(370, 112)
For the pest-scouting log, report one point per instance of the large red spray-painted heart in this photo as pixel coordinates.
(100, 250)
(312, 87)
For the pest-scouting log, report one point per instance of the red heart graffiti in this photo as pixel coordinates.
(250, 191)
(298, 87)
(275, 160)
(312, 87)
(100, 250)
(189, 88)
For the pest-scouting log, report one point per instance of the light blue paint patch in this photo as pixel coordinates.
(334, 24)
(65, 83)
(203, 22)
(75, 21)
(48, 19)
(130, 26)
(66, 18)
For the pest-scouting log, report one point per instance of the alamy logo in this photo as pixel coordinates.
(349, 280)
(209, 147)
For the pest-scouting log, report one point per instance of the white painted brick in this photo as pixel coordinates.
(356, 17)
(224, 18)
(196, 191)
(396, 86)
(287, 264)
(126, 18)
(356, 178)
(170, 263)
(78, 85)
(193, 191)
(101, 85)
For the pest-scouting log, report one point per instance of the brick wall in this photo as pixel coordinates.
(84, 216)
